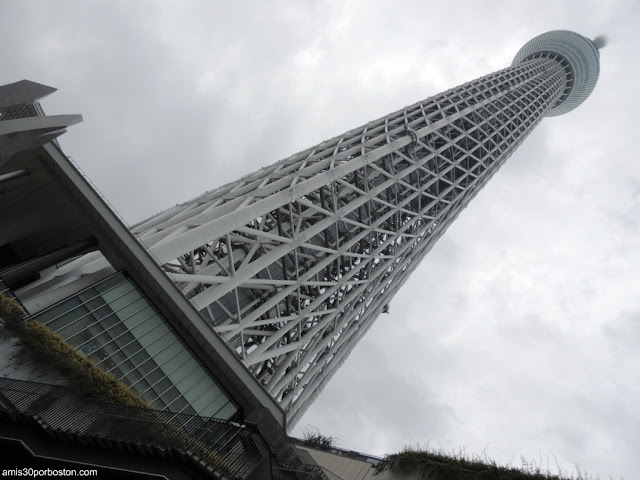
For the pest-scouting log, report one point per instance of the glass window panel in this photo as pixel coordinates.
(173, 356)
(180, 373)
(226, 412)
(155, 402)
(115, 325)
(52, 314)
(154, 336)
(67, 320)
(202, 388)
(165, 389)
(118, 334)
(110, 282)
(188, 384)
(180, 405)
(216, 400)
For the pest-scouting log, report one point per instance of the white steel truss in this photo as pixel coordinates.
(292, 264)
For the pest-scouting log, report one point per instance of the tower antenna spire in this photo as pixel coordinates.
(601, 41)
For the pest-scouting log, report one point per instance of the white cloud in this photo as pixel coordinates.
(518, 330)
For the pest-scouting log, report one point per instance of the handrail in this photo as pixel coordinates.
(221, 447)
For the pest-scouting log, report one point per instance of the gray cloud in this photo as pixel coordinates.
(517, 332)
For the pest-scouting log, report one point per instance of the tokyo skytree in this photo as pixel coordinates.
(292, 264)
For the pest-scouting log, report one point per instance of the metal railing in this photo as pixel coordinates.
(221, 448)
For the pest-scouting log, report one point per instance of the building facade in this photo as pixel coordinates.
(253, 294)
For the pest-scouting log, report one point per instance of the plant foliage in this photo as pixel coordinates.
(314, 439)
(436, 465)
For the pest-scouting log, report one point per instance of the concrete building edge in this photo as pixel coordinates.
(120, 247)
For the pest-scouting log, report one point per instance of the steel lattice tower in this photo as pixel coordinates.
(292, 264)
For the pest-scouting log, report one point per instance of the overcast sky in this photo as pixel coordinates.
(519, 333)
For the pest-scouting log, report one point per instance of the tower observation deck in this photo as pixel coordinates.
(292, 264)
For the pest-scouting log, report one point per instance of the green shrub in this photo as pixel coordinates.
(10, 310)
(314, 439)
(433, 465)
